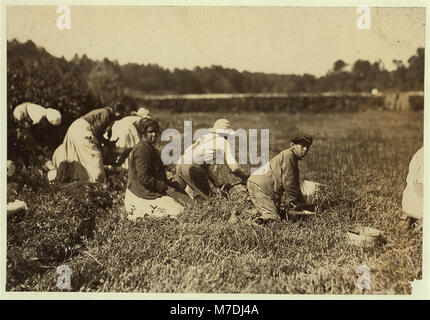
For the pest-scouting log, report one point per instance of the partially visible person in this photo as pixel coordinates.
(142, 112)
(148, 189)
(27, 114)
(79, 157)
(412, 200)
(125, 133)
(30, 120)
(193, 168)
(16, 206)
(280, 177)
(10, 166)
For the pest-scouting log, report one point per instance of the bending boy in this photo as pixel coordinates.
(194, 177)
(280, 175)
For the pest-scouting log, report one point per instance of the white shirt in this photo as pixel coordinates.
(211, 148)
(127, 121)
(122, 127)
(412, 200)
(416, 173)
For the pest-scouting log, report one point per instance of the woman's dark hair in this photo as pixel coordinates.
(118, 107)
(144, 124)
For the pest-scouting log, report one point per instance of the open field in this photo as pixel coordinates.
(362, 158)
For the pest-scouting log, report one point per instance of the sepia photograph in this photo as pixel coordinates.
(214, 149)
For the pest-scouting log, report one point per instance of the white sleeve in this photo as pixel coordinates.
(420, 171)
(228, 154)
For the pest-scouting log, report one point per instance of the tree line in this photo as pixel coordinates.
(363, 76)
(107, 79)
(79, 85)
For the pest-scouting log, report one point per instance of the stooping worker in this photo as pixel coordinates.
(149, 192)
(27, 114)
(193, 168)
(80, 157)
(31, 120)
(278, 177)
(412, 200)
(125, 133)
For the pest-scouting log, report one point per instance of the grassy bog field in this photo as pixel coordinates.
(362, 157)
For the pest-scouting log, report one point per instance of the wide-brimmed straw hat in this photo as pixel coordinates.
(222, 126)
(142, 112)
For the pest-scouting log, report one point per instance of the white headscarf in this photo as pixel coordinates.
(142, 112)
(53, 116)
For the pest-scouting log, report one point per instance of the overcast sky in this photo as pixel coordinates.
(265, 39)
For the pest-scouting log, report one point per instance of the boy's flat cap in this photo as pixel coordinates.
(301, 137)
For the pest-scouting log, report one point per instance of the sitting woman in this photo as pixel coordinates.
(148, 190)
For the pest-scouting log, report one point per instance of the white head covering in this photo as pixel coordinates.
(53, 116)
(142, 112)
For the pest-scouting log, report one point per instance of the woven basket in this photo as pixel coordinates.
(363, 236)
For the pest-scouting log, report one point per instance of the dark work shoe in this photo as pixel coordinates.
(405, 224)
